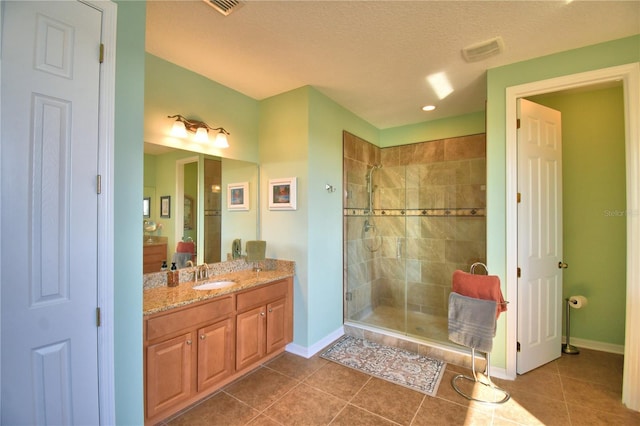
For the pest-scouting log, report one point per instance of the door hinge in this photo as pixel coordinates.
(98, 319)
(101, 59)
(99, 184)
(348, 296)
(517, 123)
(518, 347)
(519, 272)
(519, 197)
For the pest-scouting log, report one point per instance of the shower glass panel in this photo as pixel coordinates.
(413, 214)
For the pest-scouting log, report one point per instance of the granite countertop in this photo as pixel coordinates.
(161, 298)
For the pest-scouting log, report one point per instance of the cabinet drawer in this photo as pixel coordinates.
(262, 295)
(176, 321)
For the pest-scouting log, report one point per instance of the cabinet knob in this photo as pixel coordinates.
(262, 313)
(270, 310)
(203, 336)
(189, 342)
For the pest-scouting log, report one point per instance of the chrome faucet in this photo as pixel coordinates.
(201, 271)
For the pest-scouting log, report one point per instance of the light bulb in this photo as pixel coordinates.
(202, 135)
(221, 140)
(179, 130)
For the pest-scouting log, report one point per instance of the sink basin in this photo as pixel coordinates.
(214, 285)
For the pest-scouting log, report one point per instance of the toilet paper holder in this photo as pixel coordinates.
(567, 347)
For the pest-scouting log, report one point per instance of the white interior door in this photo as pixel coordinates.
(50, 97)
(539, 235)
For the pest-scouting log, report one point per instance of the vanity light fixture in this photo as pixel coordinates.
(201, 129)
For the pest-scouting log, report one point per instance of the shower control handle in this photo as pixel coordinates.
(562, 265)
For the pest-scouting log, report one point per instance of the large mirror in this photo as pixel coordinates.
(190, 214)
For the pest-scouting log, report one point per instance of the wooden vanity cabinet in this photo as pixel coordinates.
(263, 323)
(188, 350)
(192, 351)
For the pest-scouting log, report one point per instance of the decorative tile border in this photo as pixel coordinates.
(457, 212)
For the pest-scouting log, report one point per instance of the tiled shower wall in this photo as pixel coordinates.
(429, 217)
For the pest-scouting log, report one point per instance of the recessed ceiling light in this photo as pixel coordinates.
(428, 107)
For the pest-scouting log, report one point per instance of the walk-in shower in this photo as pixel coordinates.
(413, 214)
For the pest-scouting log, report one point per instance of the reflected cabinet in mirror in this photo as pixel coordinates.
(201, 226)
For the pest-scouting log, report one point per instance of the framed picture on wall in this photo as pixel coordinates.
(238, 196)
(165, 206)
(282, 194)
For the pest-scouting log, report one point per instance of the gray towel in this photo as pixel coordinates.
(472, 322)
(256, 250)
(181, 259)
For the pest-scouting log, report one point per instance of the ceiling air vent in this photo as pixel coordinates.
(479, 51)
(225, 7)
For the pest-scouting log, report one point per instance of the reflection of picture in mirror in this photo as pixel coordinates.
(282, 194)
(146, 207)
(165, 206)
(238, 196)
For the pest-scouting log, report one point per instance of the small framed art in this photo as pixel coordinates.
(282, 194)
(238, 196)
(165, 206)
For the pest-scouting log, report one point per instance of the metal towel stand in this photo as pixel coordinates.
(474, 379)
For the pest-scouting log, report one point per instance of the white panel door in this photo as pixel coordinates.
(539, 235)
(50, 94)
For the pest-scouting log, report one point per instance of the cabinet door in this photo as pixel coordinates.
(215, 353)
(169, 369)
(276, 325)
(250, 330)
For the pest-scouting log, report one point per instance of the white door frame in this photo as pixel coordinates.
(630, 76)
(106, 357)
(106, 137)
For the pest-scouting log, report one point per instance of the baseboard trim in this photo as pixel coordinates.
(308, 352)
(595, 345)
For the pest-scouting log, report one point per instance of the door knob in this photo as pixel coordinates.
(562, 265)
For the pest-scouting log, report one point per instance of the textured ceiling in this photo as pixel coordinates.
(374, 57)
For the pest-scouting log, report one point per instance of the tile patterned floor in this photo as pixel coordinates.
(582, 389)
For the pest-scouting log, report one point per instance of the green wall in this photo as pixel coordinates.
(128, 181)
(171, 90)
(327, 120)
(594, 203)
(462, 125)
(301, 136)
(589, 58)
(284, 121)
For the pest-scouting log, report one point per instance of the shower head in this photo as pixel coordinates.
(373, 167)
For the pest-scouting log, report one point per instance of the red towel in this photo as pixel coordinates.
(486, 287)
(186, 247)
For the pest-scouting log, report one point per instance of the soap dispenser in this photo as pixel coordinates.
(173, 276)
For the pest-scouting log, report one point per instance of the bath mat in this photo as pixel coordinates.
(396, 365)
